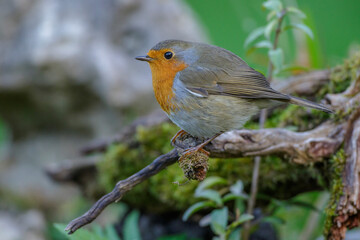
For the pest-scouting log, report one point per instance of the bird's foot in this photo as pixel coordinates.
(200, 147)
(178, 134)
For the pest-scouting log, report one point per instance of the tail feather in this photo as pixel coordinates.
(307, 103)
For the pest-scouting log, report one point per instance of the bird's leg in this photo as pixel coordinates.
(200, 146)
(178, 134)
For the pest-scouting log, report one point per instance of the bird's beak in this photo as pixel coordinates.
(144, 58)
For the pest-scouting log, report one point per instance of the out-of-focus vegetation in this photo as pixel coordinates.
(4, 138)
(335, 27)
(224, 223)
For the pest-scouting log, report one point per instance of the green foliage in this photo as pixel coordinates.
(219, 217)
(131, 228)
(4, 138)
(271, 31)
(342, 75)
(108, 233)
(177, 237)
(291, 217)
(337, 164)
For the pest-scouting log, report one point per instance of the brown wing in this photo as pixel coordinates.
(241, 81)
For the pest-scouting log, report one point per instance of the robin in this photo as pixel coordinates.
(207, 90)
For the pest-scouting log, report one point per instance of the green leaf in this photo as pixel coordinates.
(111, 233)
(209, 182)
(205, 220)
(264, 44)
(303, 28)
(277, 58)
(235, 234)
(80, 234)
(98, 230)
(217, 228)
(255, 34)
(181, 236)
(219, 219)
(243, 218)
(231, 196)
(196, 207)
(273, 5)
(237, 188)
(270, 15)
(296, 12)
(210, 195)
(60, 228)
(274, 220)
(261, 44)
(269, 27)
(131, 226)
(302, 204)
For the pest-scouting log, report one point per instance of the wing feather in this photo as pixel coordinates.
(243, 82)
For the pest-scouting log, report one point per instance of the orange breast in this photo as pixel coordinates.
(163, 74)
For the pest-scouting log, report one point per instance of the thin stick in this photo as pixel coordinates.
(121, 188)
(262, 119)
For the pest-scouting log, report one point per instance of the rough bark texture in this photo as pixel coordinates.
(348, 207)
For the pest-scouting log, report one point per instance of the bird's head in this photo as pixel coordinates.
(170, 56)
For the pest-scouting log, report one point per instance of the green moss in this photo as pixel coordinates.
(341, 76)
(337, 164)
(161, 192)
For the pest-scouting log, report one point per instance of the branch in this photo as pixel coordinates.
(303, 84)
(121, 188)
(348, 207)
(302, 148)
(305, 147)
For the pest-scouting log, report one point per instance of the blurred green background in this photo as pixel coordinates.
(335, 25)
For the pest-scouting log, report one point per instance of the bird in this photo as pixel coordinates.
(207, 90)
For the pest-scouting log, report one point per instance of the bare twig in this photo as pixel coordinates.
(121, 188)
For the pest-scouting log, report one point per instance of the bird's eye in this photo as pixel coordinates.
(168, 55)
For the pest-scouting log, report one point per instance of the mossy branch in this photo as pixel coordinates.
(301, 147)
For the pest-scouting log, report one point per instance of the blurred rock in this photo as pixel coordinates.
(30, 225)
(54, 44)
(67, 68)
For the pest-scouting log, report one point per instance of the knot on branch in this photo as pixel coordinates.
(194, 165)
